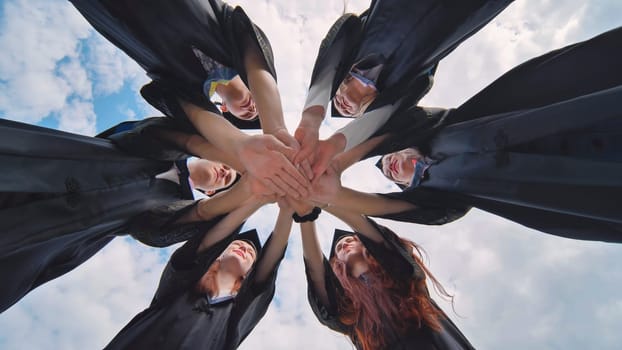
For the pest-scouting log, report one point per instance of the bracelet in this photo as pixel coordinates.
(312, 216)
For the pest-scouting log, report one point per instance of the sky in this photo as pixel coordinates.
(514, 288)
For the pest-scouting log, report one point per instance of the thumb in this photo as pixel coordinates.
(320, 165)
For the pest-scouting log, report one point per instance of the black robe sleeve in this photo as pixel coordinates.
(136, 138)
(328, 315)
(65, 197)
(161, 36)
(432, 207)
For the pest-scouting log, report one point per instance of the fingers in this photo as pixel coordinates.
(304, 153)
(285, 187)
(295, 178)
(272, 186)
(320, 166)
(301, 190)
(306, 169)
(287, 151)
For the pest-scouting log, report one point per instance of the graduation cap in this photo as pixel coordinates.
(251, 237)
(379, 166)
(339, 234)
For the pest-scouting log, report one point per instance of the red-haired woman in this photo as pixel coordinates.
(214, 289)
(373, 288)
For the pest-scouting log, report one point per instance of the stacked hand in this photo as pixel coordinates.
(268, 160)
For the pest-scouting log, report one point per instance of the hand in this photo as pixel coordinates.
(255, 187)
(326, 187)
(288, 140)
(326, 151)
(284, 205)
(301, 207)
(307, 136)
(264, 157)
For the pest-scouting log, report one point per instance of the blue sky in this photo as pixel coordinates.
(515, 288)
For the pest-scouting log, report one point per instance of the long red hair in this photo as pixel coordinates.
(208, 284)
(380, 304)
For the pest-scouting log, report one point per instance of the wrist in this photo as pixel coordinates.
(312, 117)
(312, 216)
(337, 142)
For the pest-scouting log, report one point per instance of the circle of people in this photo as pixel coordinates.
(539, 146)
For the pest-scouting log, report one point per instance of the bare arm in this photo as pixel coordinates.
(357, 222)
(278, 242)
(346, 159)
(328, 189)
(264, 89)
(198, 146)
(263, 156)
(228, 224)
(369, 203)
(314, 260)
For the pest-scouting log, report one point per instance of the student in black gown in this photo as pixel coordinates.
(548, 156)
(192, 48)
(373, 288)
(214, 289)
(369, 65)
(64, 196)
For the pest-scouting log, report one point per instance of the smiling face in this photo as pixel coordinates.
(353, 97)
(238, 257)
(210, 176)
(399, 166)
(348, 249)
(237, 99)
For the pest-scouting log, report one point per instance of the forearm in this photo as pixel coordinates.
(368, 203)
(278, 243)
(312, 117)
(312, 253)
(264, 90)
(216, 129)
(346, 159)
(200, 147)
(357, 222)
(228, 224)
(221, 203)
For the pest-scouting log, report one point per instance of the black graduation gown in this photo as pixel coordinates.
(411, 37)
(398, 262)
(160, 36)
(554, 165)
(63, 197)
(180, 318)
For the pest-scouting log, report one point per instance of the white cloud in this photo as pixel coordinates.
(514, 288)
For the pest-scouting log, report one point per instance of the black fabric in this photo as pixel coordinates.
(399, 263)
(553, 165)
(160, 36)
(181, 318)
(411, 37)
(64, 197)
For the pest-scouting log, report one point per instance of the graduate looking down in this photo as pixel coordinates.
(369, 65)
(192, 49)
(373, 287)
(539, 146)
